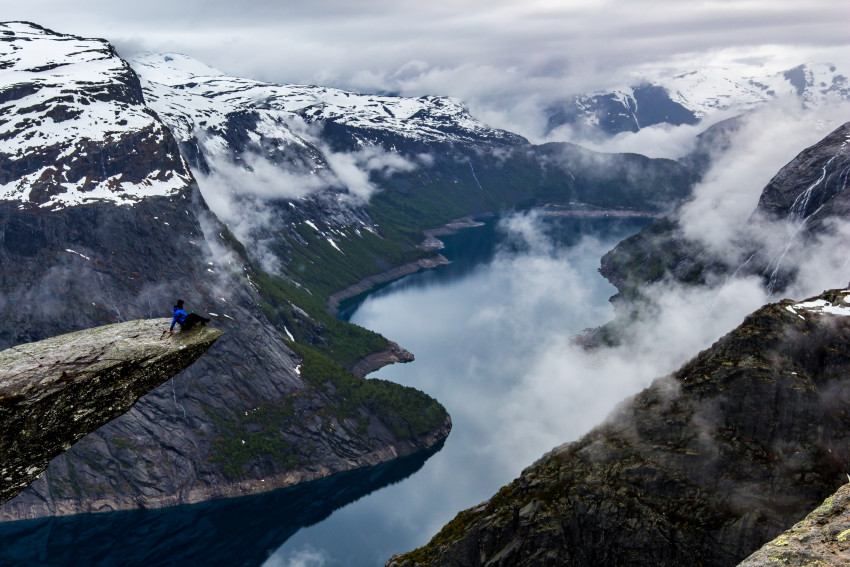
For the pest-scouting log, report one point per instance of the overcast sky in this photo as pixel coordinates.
(505, 58)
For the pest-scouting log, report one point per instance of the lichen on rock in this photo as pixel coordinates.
(54, 392)
(822, 539)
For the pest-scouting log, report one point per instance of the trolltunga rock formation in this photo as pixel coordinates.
(54, 392)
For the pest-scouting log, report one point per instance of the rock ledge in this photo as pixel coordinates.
(54, 392)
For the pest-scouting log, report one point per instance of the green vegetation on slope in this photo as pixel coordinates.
(294, 310)
(407, 411)
(257, 435)
(257, 438)
(324, 268)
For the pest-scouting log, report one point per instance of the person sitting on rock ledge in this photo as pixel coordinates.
(186, 320)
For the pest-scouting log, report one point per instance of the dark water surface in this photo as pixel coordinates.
(476, 327)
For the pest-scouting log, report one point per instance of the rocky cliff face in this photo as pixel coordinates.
(54, 392)
(702, 468)
(822, 538)
(107, 225)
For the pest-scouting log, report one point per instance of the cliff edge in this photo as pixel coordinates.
(54, 392)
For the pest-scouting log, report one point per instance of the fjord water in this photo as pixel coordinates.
(517, 289)
(514, 289)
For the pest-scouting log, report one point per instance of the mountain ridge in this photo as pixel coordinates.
(695, 466)
(696, 95)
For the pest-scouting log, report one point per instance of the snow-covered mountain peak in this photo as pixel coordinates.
(709, 89)
(428, 118)
(687, 97)
(69, 109)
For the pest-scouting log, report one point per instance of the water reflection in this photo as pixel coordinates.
(232, 532)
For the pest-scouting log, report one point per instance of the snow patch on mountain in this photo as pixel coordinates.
(818, 306)
(700, 94)
(66, 99)
(707, 90)
(428, 118)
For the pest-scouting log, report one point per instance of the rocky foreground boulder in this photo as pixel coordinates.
(701, 468)
(54, 392)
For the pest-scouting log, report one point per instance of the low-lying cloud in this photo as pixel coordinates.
(496, 346)
(521, 386)
(720, 217)
(354, 170)
(513, 379)
(768, 139)
(247, 195)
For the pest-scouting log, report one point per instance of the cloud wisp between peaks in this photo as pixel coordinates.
(720, 215)
(249, 195)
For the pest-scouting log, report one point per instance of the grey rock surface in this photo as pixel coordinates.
(54, 392)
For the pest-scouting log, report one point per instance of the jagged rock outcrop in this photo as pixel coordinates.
(703, 467)
(54, 392)
(822, 539)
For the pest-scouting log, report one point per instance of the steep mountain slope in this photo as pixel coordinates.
(689, 97)
(820, 539)
(703, 467)
(74, 125)
(102, 221)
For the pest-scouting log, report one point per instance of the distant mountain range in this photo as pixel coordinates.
(688, 98)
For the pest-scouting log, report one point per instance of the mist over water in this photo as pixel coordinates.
(489, 331)
(516, 291)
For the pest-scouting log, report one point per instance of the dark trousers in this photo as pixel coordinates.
(191, 320)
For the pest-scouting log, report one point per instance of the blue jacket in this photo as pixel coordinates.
(179, 317)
